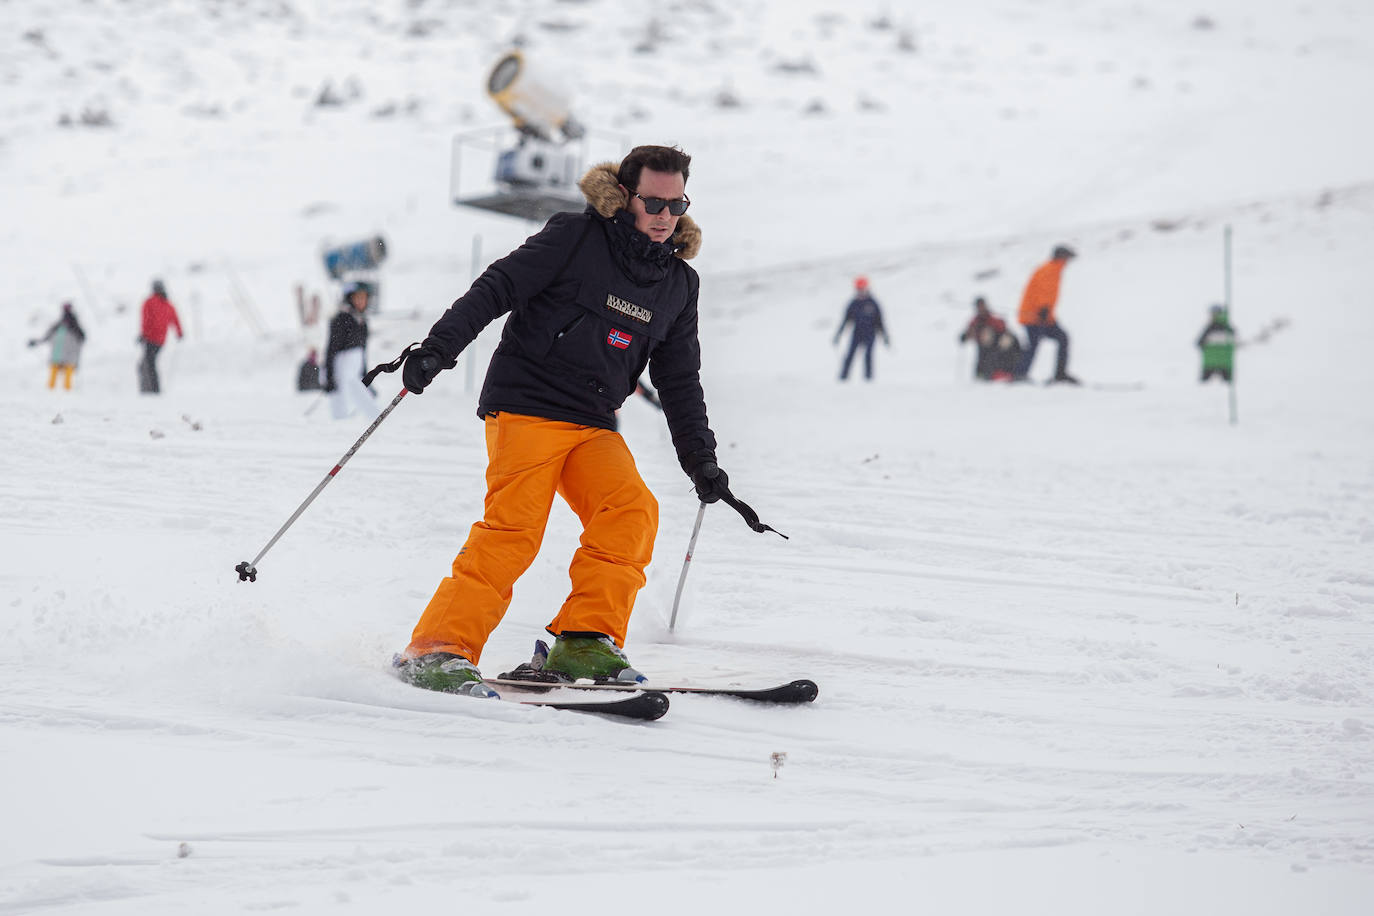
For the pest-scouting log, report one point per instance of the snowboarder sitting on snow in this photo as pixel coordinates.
(867, 318)
(998, 349)
(592, 299)
(1218, 345)
(345, 356)
(158, 316)
(1037, 316)
(67, 336)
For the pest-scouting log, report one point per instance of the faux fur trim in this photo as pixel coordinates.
(601, 187)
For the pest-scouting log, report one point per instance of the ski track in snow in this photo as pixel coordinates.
(1078, 650)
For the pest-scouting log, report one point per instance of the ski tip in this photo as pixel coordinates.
(807, 691)
(655, 705)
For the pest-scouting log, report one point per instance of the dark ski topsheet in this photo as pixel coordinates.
(646, 705)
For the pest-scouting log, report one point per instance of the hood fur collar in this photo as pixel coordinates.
(602, 189)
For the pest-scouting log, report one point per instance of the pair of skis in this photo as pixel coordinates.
(647, 702)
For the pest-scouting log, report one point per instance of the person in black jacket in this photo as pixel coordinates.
(593, 299)
(345, 356)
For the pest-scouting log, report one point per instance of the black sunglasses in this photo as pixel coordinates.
(654, 205)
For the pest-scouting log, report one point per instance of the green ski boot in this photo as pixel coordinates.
(578, 657)
(444, 672)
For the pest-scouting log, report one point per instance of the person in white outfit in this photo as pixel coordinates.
(345, 358)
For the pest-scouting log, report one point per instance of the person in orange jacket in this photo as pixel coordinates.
(1037, 316)
(158, 316)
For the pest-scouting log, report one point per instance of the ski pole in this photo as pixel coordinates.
(682, 579)
(248, 571)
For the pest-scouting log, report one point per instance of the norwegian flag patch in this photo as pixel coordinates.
(619, 339)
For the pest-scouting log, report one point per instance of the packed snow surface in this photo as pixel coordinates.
(1080, 650)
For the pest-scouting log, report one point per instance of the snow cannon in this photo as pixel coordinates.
(365, 255)
(537, 109)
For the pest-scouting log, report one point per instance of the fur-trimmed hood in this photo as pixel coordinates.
(601, 187)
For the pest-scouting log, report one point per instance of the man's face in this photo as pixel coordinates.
(359, 299)
(659, 227)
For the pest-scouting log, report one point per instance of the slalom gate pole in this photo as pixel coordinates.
(248, 571)
(682, 579)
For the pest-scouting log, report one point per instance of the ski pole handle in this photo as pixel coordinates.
(248, 571)
(682, 579)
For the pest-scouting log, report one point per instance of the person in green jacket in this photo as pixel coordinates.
(1218, 345)
(67, 337)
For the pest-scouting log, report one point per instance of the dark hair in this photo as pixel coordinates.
(658, 158)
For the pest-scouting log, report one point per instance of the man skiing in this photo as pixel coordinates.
(866, 318)
(67, 338)
(158, 316)
(1037, 316)
(592, 299)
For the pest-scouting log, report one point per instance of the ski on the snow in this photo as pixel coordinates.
(791, 693)
(645, 705)
(531, 675)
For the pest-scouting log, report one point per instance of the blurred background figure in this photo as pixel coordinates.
(1218, 345)
(866, 318)
(67, 336)
(345, 356)
(1037, 316)
(158, 316)
(308, 378)
(999, 350)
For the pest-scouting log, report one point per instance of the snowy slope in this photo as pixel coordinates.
(1078, 649)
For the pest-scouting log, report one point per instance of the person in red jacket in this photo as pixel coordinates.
(158, 315)
(1037, 316)
(999, 351)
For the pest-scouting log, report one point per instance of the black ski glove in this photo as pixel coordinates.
(710, 481)
(421, 366)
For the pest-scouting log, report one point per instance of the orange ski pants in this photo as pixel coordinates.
(529, 459)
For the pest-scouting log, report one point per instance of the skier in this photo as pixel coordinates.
(158, 315)
(593, 298)
(998, 349)
(345, 356)
(867, 318)
(1037, 316)
(67, 336)
(1218, 345)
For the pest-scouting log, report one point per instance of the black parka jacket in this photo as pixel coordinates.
(591, 303)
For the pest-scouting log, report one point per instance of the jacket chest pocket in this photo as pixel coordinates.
(604, 341)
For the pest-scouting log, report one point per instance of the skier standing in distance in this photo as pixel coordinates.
(67, 336)
(1218, 345)
(158, 316)
(592, 299)
(1037, 316)
(867, 319)
(345, 357)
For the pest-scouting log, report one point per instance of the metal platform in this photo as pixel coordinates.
(535, 204)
